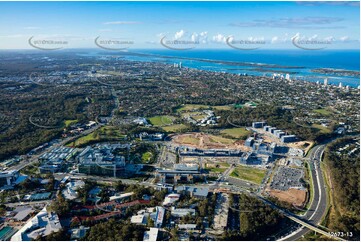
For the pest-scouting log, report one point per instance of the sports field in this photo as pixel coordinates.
(162, 120)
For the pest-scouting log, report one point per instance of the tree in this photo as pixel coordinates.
(2, 210)
(150, 222)
(60, 206)
(61, 235)
(119, 186)
(174, 233)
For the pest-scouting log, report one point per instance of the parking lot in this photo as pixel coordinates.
(286, 178)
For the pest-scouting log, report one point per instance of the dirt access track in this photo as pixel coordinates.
(207, 141)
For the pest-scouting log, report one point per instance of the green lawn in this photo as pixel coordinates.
(238, 133)
(224, 164)
(190, 107)
(103, 134)
(215, 169)
(248, 173)
(70, 122)
(224, 107)
(147, 156)
(161, 120)
(323, 111)
(323, 129)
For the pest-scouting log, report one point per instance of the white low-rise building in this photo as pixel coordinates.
(171, 198)
(121, 196)
(70, 191)
(180, 212)
(151, 235)
(140, 219)
(42, 224)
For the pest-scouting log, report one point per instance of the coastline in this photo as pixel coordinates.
(347, 77)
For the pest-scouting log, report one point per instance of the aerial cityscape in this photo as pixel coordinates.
(180, 121)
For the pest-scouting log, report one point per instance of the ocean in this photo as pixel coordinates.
(298, 63)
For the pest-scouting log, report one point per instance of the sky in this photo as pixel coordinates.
(146, 25)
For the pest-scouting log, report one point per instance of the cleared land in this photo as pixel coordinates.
(248, 173)
(237, 133)
(293, 196)
(174, 127)
(207, 141)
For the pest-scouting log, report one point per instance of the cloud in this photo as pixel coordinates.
(314, 37)
(306, 22)
(256, 38)
(201, 37)
(180, 34)
(274, 39)
(345, 38)
(219, 38)
(121, 22)
(330, 39)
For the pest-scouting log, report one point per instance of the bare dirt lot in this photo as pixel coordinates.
(207, 141)
(293, 196)
(303, 145)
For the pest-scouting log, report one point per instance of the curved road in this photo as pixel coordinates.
(318, 205)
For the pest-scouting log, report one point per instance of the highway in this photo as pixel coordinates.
(318, 205)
